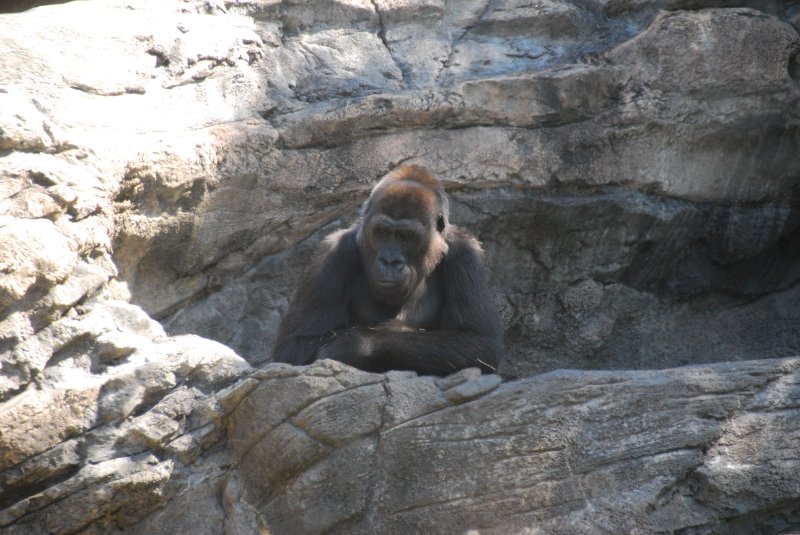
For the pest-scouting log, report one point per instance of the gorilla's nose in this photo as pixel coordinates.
(392, 267)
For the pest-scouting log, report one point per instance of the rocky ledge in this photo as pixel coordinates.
(700, 449)
(630, 167)
(329, 449)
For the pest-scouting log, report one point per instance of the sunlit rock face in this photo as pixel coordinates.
(631, 172)
(706, 449)
(168, 167)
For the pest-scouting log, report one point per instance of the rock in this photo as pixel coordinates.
(34, 251)
(295, 388)
(455, 379)
(741, 36)
(472, 388)
(39, 421)
(332, 63)
(336, 496)
(24, 126)
(410, 398)
(167, 172)
(115, 420)
(710, 448)
(524, 150)
(359, 413)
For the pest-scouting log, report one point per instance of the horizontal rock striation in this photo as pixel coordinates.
(699, 449)
(167, 170)
(643, 153)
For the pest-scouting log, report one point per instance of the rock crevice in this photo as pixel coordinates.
(630, 168)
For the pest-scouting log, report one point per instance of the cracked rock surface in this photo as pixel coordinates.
(630, 168)
(167, 168)
(706, 449)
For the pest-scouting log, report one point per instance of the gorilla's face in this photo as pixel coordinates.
(401, 239)
(394, 255)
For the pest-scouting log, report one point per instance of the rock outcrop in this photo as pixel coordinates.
(167, 169)
(702, 449)
(118, 420)
(631, 173)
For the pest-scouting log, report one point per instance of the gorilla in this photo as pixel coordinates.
(402, 289)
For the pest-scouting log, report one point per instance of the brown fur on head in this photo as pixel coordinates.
(409, 197)
(405, 178)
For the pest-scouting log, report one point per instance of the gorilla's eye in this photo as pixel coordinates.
(406, 236)
(382, 233)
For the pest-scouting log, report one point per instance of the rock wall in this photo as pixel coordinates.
(631, 172)
(626, 186)
(704, 449)
(631, 168)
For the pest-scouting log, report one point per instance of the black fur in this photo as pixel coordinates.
(445, 322)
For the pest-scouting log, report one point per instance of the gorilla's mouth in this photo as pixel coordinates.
(390, 290)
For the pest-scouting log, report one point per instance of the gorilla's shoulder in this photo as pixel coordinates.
(342, 240)
(462, 242)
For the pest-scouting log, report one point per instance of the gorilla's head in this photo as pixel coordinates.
(401, 238)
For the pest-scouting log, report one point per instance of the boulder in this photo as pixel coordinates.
(167, 169)
(707, 449)
(117, 421)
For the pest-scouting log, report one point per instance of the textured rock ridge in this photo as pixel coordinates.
(119, 421)
(639, 158)
(168, 167)
(700, 449)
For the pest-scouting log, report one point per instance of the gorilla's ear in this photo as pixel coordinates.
(440, 223)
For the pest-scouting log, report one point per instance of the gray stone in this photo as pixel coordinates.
(742, 36)
(455, 379)
(472, 388)
(112, 440)
(276, 459)
(240, 518)
(337, 491)
(167, 172)
(197, 506)
(634, 451)
(295, 391)
(411, 398)
(337, 419)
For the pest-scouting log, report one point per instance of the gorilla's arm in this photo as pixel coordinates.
(470, 333)
(320, 307)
